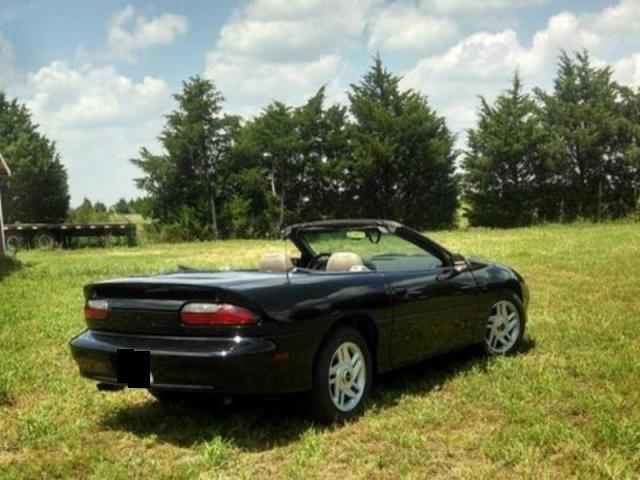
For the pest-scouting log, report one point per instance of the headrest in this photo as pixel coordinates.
(344, 262)
(275, 262)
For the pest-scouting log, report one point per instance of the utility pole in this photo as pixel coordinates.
(3, 245)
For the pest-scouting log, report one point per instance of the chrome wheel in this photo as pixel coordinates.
(503, 327)
(347, 376)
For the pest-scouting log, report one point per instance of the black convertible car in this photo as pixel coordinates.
(359, 297)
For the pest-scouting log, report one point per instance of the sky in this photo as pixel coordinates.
(99, 75)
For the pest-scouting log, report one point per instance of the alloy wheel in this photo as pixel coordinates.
(347, 376)
(503, 327)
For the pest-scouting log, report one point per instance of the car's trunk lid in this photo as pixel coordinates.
(151, 305)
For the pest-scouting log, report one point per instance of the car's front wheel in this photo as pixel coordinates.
(342, 377)
(505, 326)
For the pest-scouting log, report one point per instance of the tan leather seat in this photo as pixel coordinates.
(345, 262)
(277, 262)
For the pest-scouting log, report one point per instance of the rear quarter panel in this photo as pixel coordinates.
(310, 304)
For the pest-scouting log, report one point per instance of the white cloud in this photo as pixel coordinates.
(483, 62)
(465, 7)
(129, 32)
(401, 26)
(86, 97)
(278, 29)
(627, 70)
(480, 55)
(99, 119)
(623, 17)
(275, 49)
(250, 85)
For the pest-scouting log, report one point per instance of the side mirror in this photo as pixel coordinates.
(460, 265)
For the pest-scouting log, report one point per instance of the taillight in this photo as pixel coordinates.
(96, 310)
(216, 314)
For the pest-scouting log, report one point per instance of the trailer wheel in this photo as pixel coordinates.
(14, 243)
(44, 241)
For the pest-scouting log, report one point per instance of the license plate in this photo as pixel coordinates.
(133, 368)
(96, 366)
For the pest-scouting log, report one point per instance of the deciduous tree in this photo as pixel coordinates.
(37, 190)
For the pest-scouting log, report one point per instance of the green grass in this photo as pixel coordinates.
(569, 406)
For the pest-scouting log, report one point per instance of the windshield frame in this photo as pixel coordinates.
(295, 233)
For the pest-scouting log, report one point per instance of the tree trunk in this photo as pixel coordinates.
(282, 209)
(214, 215)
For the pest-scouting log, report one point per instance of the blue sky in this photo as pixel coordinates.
(98, 75)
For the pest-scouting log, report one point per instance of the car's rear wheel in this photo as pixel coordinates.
(342, 377)
(505, 326)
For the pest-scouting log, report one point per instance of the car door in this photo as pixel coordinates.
(433, 311)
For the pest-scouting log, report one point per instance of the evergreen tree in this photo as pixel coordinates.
(583, 114)
(404, 155)
(507, 166)
(184, 182)
(122, 207)
(277, 144)
(325, 176)
(37, 190)
(627, 175)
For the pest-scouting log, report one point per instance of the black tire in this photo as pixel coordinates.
(44, 242)
(323, 406)
(513, 304)
(14, 243)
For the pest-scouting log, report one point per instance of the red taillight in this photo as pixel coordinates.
(96, 310)
(216, 314)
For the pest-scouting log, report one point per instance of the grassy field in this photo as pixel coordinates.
(568, 406)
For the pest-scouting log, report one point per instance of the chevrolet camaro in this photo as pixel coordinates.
(343, 301)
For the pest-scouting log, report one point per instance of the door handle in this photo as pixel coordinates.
(407, 293)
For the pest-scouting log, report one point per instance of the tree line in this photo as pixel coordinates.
(570, 153)
(388, 154)
(534, 156)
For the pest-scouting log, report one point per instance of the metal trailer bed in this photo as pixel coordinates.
(47, 235)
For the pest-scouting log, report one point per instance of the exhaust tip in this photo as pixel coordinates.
(109, 387)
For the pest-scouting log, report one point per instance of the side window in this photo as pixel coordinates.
(402, 256)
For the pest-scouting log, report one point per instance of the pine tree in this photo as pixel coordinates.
(277, 143)
(185, 181)
(37, 190)
(507, 166)
(325, 178)
(583, 114)
(404, 155)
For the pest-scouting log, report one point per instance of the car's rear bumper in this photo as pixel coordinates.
(226, 365)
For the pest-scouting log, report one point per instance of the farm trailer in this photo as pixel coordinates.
(46, 235)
